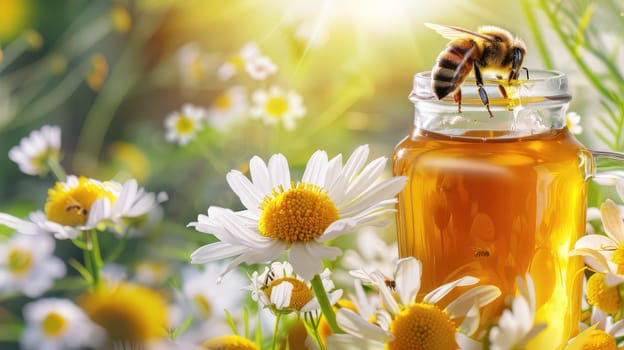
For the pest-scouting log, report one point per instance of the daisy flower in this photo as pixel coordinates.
(237, 62)
(82, 203)
(131, 314)
(372, 252)
(28, 264)
(283, 291)
(229, 342)
(573, 122)
(58, 324)
(37, 150)
(183, 126)
(406, 323)
(331, 199)
(260, 67)
(601, 335)
(193, 63)
(516, 327)
(602, 296)
(227, 108)
(276, 105)
(605, 254)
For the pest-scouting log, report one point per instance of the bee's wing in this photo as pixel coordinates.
(450, 32)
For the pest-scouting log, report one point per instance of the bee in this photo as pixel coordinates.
(490, 49)
(391, 284)
(481, 253)
(77, 208)
(270, 276)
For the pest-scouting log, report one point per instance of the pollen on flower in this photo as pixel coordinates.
(422, 327)
(599, 340)
(229, 342)
(53, 324)
(20, 261)
(301, 213)
(301, 293)
(70, 206)
(599, 294)
(276, 106)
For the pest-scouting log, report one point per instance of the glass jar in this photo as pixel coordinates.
(497, 196)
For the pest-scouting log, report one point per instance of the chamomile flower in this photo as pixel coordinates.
(602, 296)
(183, 126)
(283, 291)
(81, 203)
(605, 254)
(38, 149)
(238, 61)
(193, 63)
(227, 108)
(573, 122)
(601, 335)
(58, 324)
(28, 264)
(229, 342)
(260, 67)
(372, 252)
(131, 314)
(406, 323)
(516, 327)
(331, 200)
(275, 106)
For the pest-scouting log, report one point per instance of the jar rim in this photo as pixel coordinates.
(549, 85)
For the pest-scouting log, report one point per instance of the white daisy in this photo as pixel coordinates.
(406, 323)
(37, 149)
(276, 105)
(573, 122)
(602, 333)
(227, 108)
(183, 126)
(193, 63)
(260, 67)
(605, 254)
(53, 324)
(329, 201)
(28, 264)
(237, 62)
(82, 203)
(283, 291)
(516, 326)
(372, 252)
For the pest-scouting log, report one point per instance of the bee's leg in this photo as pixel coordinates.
(502, 91)
(482, 93)
(458, 98)
(527, 72)
(515, 65)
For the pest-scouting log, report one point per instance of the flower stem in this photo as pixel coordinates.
(277, 321)
(93, 257)
(57, 169)
(326, 308)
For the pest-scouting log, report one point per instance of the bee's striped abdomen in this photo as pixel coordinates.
(452, 66)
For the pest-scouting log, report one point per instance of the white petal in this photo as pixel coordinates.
(126, 197)
(353, 323)
(316, 169)
(466, 343)
(613, 279)
(386, 294)
(380, 192)
(356, 161)
(593, 259)
(408, 273)
(21, 226)
(350, 342)
(216, 251)
(279, 171)
(250, 195)
(612, 220)
(280, 295)
(470, 324)
(260, 175)
(478, 296)
(367, 177)
(307, 258)
(435, 295)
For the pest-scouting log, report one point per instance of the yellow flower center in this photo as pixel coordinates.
(185, 125)
(276, 106)
(20, 261)
(53, 324)
(223, 101)
(98, 73)
(422, 327)
(618, 258)
(301, 293)
(40, 162)
(229, 342)
(70, 206)
(128, 312)
(121, 19)
(599, 294)
(301, 213)
(599, 340)
(203, 305)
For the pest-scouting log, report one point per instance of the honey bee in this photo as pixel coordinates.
(490, 49)
(391, 284)
(481, 253)
(76, 208)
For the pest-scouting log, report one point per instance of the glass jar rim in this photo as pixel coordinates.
(541, 85)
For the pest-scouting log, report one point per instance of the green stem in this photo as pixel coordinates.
(277, 321)
(93, 257)
(326, 307)
(57, 169)
(527, 8)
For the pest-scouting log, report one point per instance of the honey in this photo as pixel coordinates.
(494, 205)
